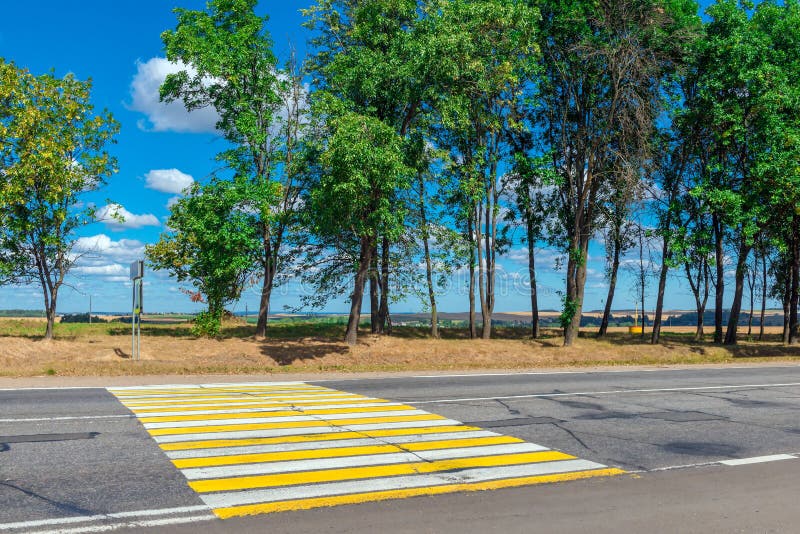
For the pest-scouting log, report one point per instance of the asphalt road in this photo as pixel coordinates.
(73, 453)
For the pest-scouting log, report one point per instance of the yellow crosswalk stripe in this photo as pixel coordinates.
(352, 473)
(341, 452)
(298, 424)
(286, 413)
(250, 404)
(217, 443)
(355, 498)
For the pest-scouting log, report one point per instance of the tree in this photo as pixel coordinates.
(213, 243)
(53, 151)
(374, 57)
(604, 64)
(693, 249)
(362, 167)
(261, 112)
(619, 233)
(532, 197)
(492, 54)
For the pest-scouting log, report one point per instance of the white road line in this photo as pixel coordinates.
(284, 419)
(758, 459)
(102, 517)
(592, 372)
(291, 466)
(66, 418)
(280, 432)
(205, 386)
(272, 409)
(129, 524)
(331, 444)
(612, 392)
(462, 476)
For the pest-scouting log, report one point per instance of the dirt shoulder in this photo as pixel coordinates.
(100, 354)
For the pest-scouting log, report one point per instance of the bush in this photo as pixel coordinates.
(206, 324)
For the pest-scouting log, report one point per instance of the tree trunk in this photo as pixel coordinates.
(269, 260)
(612, 287)
(700, 303)
(787, 292)
(364, 261)
(576, 284)
(719, 293)
(655, 336)
(532, 277)
(763, 294)
(266, 289)
(51, 319)
(795, 283)
(428, 268)
(482, 276)
(751, 285)
(473, 333)
(383, 319)
(374, 292)
(263, 305)
(642, 276)
(736, 306)
(699, 331)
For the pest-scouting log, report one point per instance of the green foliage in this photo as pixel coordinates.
(569, 308)
(207, 324)
(231, 67)
(234, 70)
(53, 151)
(363, 167)
(213, 241)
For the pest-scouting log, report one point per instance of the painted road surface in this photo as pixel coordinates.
(267, 447)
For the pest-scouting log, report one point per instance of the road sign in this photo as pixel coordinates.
(137, 269)
(137, 273)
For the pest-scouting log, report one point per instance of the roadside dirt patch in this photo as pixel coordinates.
(104, 350)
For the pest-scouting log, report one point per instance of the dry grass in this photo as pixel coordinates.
(104, 350)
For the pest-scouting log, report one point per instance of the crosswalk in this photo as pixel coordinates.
(269, 447)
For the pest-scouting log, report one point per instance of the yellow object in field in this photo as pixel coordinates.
(634, 329)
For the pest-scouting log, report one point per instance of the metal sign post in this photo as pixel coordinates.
(137, 273)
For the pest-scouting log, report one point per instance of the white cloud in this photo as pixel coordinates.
(112, 269)
(103, 247)
(163, 117)
(172, 201)
(168, 180)
(111, 213)
(100, 257)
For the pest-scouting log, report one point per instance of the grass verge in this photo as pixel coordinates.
(312, 346)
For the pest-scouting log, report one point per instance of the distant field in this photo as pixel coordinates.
(301, 345)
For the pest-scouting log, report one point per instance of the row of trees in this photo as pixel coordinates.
(434, 129)
(430, 132)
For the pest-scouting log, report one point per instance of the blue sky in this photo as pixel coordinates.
(161, 149)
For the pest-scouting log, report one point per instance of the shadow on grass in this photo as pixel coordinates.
(291, 353)
(771, 346)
